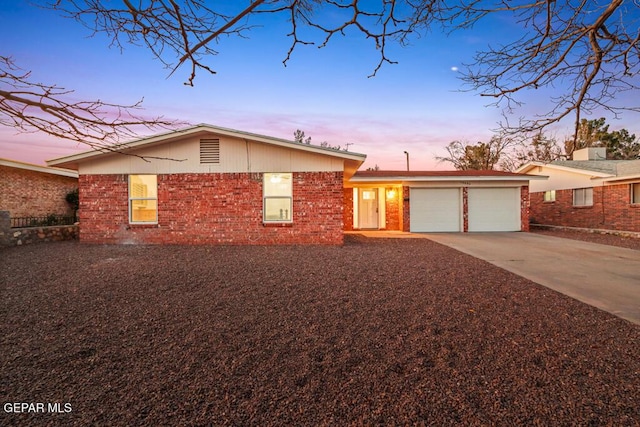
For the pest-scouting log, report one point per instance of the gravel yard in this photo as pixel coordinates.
(378, 331)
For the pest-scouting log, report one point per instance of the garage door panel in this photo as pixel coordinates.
(494, 209)
(435, 209)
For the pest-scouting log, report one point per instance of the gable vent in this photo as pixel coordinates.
(209, 151)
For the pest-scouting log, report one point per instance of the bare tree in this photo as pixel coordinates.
(480, 156)
(540, 148)
(588, 52)
(31, 106)
(299, 137)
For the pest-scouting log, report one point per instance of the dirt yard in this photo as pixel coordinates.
(378, 331)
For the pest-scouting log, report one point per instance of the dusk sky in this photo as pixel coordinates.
(415, 106)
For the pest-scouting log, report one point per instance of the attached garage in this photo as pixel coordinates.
(494, 209)
(443, 201)
(435, 210)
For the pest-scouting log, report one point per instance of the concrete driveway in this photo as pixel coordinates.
(606, 277)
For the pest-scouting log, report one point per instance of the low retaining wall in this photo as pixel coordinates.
(633, 234)
(24, 236)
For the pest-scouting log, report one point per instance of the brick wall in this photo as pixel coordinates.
(348, 209)
(525, 208)
(29, 193)
(406, 220)
(465, 209)
(213, 209)
(392, 209)
(611, 210)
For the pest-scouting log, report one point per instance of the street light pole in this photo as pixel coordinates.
(407, 154)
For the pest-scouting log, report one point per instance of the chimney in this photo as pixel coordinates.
(590, 153)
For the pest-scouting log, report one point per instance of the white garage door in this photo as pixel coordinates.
(494, 209)
(434, 209)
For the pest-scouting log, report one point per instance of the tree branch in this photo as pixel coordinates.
(30, 106)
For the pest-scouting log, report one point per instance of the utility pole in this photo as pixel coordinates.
(407, 154)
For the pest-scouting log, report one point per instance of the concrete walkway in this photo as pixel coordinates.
(603, 276)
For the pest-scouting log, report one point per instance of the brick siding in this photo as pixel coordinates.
(525, 208)
(392, 210)
(611, 210)
(30, 193)
(212, 209)
(465, 209)
(348, 209)
(406, 219)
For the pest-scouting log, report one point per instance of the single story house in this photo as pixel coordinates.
(28, 190)
(586, 192)
(212, 185)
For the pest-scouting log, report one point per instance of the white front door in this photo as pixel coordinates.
(368, 207)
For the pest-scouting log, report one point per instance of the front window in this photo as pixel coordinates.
(635, 193)
(550, 196)
(143, 199)
(583, 197)
(278, 197)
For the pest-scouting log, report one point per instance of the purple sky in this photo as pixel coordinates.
(415, 106)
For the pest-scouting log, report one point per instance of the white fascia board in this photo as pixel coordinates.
(202, 128)
(528, 166)
(587, 172)
(399, 180)
(37, 168)
(622, 178)
(286, 143)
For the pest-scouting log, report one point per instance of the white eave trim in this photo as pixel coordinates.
(401, 179)
(622, 178)
(202, 128)
(36, 168)
(590, 173)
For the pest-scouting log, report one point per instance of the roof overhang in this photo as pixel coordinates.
(72, 161)
(441, 176)
(526, 168)
(621, 179)
(37, 168)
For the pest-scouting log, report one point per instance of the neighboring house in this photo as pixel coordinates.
(588, 191)
(212, 185)
(438, 201)
(32, 190)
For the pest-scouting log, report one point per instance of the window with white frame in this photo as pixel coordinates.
(635, 193)
(143, 199)
(277, 193)
(550, 196)
(583, 197)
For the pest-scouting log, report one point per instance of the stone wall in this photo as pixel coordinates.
(24, 236)
(212, 209)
